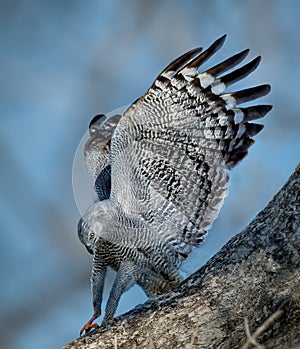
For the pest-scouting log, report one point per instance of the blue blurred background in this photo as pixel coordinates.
(64, 61)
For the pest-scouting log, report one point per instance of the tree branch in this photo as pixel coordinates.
(255, 276)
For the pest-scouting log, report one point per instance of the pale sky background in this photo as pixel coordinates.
(64, 61)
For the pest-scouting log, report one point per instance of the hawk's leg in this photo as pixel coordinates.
(98, 278)
(126, 277)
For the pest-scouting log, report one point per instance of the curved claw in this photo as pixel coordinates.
(89, 325)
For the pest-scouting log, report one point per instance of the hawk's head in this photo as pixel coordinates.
(86, 236)
(95, 224)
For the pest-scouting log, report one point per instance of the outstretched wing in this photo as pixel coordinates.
(97, 153)
(172, 147)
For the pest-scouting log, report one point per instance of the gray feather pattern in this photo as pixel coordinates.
(169, 157)
(97, 153)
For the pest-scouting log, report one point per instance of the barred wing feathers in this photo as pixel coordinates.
(172, 147)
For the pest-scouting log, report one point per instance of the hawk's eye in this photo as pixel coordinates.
(92, 235)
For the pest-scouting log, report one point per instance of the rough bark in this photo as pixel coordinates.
(246, 296)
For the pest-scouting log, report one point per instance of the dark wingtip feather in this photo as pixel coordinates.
(235, 158)
(181, 60)
(261, 110)
(267, 88)
(243, 53)
(228, 63)
(250, 94)
(265, 108)
(219, 42)
(241, 73)
(256, 111)
(203, 57)
(254, 129)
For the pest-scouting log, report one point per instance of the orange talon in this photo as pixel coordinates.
(89, 325)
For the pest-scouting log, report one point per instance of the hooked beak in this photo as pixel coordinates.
(89, 250)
